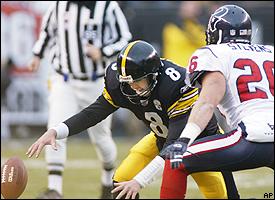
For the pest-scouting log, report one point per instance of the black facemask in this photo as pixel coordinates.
(133, 96)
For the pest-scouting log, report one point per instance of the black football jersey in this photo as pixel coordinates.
(165, 113)
(169, 99)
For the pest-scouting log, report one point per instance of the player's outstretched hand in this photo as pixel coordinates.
(48, 138)
(128, 188)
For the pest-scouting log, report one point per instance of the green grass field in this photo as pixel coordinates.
(82, 173)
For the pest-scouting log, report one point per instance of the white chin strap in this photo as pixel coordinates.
(220, 37)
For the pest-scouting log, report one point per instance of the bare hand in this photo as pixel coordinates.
(48, 138)
(34, 64)
(93, 52)
(130, 188)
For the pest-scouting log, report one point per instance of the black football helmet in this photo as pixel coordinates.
(136, 61)
(229, 23)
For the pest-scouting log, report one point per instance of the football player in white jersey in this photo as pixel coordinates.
(237, 77)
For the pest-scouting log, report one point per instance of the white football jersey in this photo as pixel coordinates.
(249, 73)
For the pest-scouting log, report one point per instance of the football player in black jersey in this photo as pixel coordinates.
(155, 91)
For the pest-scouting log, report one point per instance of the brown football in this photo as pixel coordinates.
(14, 177)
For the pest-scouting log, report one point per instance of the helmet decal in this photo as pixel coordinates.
(216, 17)
(229, 23)
(123, 62)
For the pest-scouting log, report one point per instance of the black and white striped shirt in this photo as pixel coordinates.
(68, 26)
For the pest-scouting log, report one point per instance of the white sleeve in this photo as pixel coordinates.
(203, 59)
(151, 172)
(120, 30)
(62, 131)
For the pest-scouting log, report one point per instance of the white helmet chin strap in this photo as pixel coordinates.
(220, 37)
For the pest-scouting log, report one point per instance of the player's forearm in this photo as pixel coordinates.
(151, 172)
(73, 125)
(201, 114)
(213, 89)
(86, 118)
(90, 116)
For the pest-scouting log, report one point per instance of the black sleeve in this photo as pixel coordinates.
(176, 126)
(90, 116)
(212, 128)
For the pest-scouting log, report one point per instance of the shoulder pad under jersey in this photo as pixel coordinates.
(111, 81)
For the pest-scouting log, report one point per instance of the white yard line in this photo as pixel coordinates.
(243, 180)
(32, 163)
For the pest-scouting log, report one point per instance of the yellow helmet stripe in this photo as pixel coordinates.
(123, 62)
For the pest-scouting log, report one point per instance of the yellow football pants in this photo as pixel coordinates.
(211, 184)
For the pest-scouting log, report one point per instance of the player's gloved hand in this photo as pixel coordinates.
(176, 151)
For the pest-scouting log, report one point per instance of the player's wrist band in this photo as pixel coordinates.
(62, 131)
(153, 170)
(191, 131)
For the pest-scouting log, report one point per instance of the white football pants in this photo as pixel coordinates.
(67, 99)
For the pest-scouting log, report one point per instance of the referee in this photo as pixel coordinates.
(83, 37)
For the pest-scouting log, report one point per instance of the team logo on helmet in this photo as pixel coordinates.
(216, 17)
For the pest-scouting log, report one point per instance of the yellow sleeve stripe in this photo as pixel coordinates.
(184, 98)
(184, 104)
(179, 112)
(107, 96)
(192, 92)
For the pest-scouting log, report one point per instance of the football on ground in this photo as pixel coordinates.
(14, 177)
